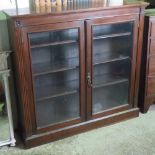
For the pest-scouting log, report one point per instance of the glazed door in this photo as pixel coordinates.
(111, 58)
(57, 59)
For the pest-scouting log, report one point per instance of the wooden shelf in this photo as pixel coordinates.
(69, 110)
(107, 80)
(50, 91)
(56, 66)
(107, 57)
(112, 35)
(53, 44)
(72, 63)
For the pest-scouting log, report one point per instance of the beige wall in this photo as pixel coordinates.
(11, 4)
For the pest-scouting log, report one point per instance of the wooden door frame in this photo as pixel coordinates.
(89, 54)
(31, 113)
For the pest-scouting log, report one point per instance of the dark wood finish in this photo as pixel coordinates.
(60, 26)
(83, 127)
(139, 56)
(151, 86)
(90, 24)
(82, 18)
(147, 82)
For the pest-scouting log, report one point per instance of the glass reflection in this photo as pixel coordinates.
(112, 48)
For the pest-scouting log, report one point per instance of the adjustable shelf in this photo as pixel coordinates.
(112, 35)
(112, 57)
(72, 63)
(107, 80)
(59, 66)
(50, 91)
(53, 44)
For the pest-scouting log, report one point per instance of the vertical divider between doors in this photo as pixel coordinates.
(82, 59)
(88, 67)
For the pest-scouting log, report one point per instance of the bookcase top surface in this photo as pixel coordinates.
(74, 6)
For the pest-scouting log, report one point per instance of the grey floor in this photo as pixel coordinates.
(152, 108)
(131, 137)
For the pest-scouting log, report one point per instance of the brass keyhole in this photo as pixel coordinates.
(89, 81)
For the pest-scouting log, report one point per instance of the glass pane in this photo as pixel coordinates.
(108, 29)
(4, 122)
(55, 70)
(107, 73)
(53, 36)
(57, 110)
(112, 54)
(56, 84)
(105, 49)
(110, 96)
(55, 58)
